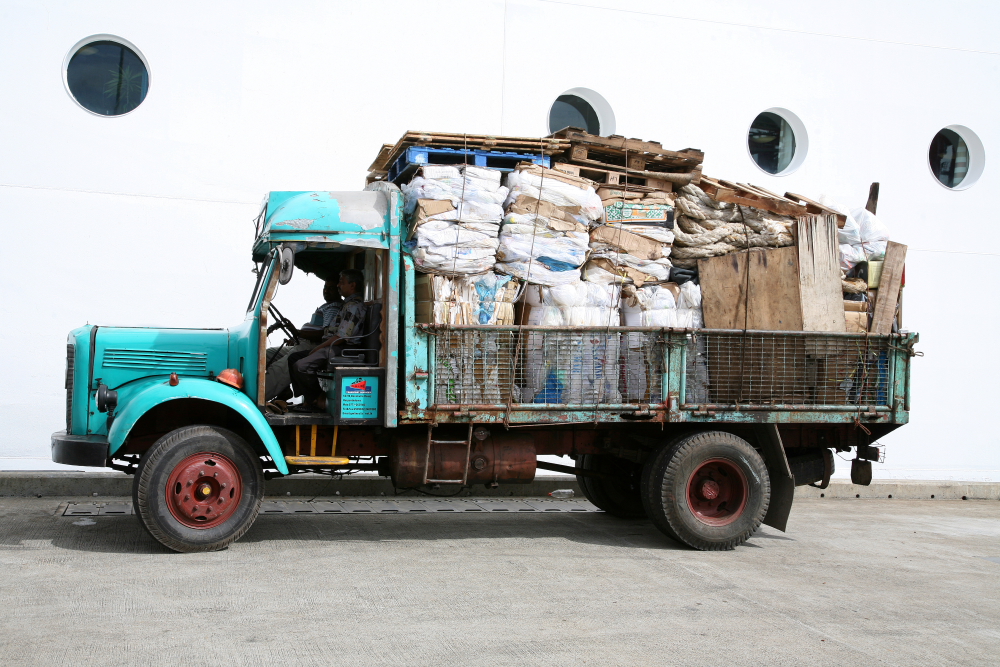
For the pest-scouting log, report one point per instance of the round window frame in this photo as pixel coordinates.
(605, 114)
(105, 38)
(801, 140)
(977, 157)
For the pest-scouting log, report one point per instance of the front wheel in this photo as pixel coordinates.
(199, 488)
(709, 490)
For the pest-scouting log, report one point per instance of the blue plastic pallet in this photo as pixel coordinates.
(417, 156)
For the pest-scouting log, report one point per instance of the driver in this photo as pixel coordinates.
(345, 331)
(276, 377)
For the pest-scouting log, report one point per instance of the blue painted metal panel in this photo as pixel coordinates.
(138, 398)
(417, 363)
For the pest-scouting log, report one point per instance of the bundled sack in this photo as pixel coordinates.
(863, 236)
(475, 193)
(486, 299)
(623, 253)
(572, 367)
(554, 187)
(544, 239)
(454, 216)
(667, 305)
(575, 304)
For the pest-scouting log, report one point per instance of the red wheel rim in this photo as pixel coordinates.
(204, 490)
(717, 492)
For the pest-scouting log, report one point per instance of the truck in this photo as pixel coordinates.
(710, 452)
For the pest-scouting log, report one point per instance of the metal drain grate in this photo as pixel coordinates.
(374, 506)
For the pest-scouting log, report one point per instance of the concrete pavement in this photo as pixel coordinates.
(886, 582)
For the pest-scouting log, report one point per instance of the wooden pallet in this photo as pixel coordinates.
(748, 195)
(610, 175)
(615, 145)
(755, 196)
(390, 152)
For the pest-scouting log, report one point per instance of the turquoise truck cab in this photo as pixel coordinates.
(184, 410)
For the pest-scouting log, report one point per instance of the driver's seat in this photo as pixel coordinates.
(367, 351)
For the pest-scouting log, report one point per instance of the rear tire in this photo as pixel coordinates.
(198, 488)
(619, 497)
(709, 490)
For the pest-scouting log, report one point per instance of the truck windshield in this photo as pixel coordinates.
(263, 269)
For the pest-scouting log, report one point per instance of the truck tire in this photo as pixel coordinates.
(647, 474)
(619, 497)
(198, 488)
(709, 490)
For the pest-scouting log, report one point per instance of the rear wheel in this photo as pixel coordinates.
(619, 496)
(198, 488)
(708, 490)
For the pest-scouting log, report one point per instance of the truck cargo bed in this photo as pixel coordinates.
(535, 374)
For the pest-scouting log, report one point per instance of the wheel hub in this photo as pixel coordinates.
(717, 492)
(204, 490)
(709, 489)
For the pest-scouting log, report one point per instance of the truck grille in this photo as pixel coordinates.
(165, 360)
(619, 366)
(70, 363)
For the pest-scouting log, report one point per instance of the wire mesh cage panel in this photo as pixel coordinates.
(495, 366)
(621, 366)
(772, 368)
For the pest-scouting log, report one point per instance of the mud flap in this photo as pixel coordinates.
(782, 482)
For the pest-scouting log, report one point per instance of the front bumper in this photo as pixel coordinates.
(80, 450)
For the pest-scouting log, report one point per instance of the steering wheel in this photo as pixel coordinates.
(281, 322)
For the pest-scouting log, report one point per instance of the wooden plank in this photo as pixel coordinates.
(888, 288)
(819, 274)
(816, 207)
(756, 290)
(872, 199)
(768, 299)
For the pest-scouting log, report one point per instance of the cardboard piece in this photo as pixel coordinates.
(856, 306)
(560, 217)
(575, 181)
(856, 322)
(429, 207)
(638, 277)
(617, 193)
(633, 244)
(874, 272)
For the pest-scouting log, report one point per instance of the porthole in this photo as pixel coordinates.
(106, 75)
(777, 141)
(956, 157)
(582, 108)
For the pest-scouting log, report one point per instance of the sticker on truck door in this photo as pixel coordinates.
(359, 397)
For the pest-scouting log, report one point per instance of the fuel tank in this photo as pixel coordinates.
(504, 458)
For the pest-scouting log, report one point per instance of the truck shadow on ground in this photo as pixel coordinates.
(123, 534)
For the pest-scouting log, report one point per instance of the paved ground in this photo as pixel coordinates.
(884, 582)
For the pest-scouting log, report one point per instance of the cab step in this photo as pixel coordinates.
(317, 460)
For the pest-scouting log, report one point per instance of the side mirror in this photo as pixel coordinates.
(287, 267)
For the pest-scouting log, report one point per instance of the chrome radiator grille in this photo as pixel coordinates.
(70, 363)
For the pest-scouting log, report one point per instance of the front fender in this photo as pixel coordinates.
(141, 399)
